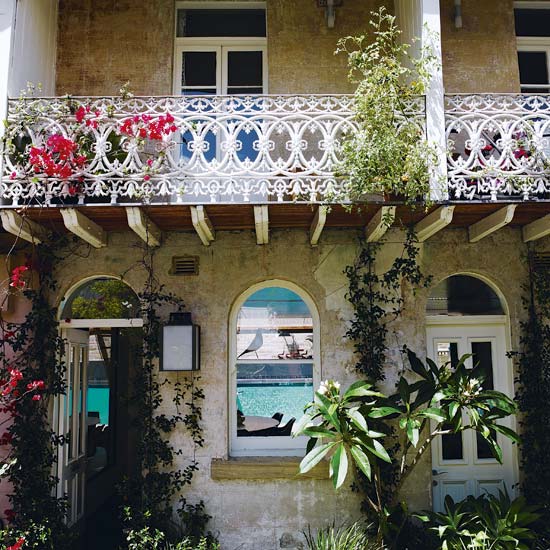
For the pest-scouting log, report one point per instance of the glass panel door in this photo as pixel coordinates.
(72, 425)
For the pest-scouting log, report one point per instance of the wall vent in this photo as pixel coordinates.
(185, 265)
(541, 261)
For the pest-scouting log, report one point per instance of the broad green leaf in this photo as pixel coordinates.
(358, 419)
(404, 390)
(381, 412)
(361, 459)
(509, 433)
(434, 413)
(413, 433)
(299, 426)
(315, 456)
(378, 450)
(361, 389)
(453, 408)
(318, 431)
(339, 466)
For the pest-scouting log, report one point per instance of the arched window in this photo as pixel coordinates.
(101, 298)
(463, 295)
(275, 365)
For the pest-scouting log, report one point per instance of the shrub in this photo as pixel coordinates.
(353, 537)
(486, 522)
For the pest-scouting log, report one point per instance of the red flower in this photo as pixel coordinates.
(13, 175)
(147, 177)
(36, 397)
(18, 545)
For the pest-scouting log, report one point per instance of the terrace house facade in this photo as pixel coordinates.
(240, 216)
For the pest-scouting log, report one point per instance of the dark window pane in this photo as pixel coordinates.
(533, 68)
(245, 91)
(447, 353)
(483, 449)
(198, 69)
(451, 446)
(216, 22)
(483, 361)
(465, 295)
(532, 22)
(244, 68)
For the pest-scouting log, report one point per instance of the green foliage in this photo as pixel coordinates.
(377, 300)
(388, 153)
(533, 395)
(108, 299)
(484, 523)
(36, 348)
(432, 406)
(155, 484)
(353, 537)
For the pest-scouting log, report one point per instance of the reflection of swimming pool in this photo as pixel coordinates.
(98, 400)
(267, 399)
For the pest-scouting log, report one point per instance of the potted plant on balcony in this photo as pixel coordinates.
(388, 153)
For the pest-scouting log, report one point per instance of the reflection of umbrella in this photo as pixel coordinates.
(255, 345)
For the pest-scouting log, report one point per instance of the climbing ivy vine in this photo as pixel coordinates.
(533, 395)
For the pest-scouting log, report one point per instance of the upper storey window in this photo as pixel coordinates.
(533, 38)
(220, 49)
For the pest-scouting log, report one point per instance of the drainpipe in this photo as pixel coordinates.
(458, 14)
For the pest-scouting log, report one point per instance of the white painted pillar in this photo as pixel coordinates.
(7, 28)
(422, 19)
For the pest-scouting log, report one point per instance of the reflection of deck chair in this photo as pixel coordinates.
(293, 350)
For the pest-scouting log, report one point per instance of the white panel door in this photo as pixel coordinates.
(462, 463)
(72, 424)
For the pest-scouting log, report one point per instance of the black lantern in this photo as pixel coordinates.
(181, 344)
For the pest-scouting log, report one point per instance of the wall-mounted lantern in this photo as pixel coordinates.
(181, 344)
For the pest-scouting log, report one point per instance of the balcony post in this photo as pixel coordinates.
(420, 23)
(7, 26)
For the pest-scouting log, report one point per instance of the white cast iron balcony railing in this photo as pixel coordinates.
(190, 149)
(498, 146)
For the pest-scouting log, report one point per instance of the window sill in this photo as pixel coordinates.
(263, 469)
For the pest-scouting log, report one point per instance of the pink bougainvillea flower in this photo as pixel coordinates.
(36, 397)
(147, 177)
(13, 175)
(18, 545)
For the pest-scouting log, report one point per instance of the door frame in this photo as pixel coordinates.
(502, 321)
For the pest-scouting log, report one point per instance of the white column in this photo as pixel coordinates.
(7, 27)
(422, 19)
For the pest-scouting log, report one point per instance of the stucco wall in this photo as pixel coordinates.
(481, 56)
(254, 515)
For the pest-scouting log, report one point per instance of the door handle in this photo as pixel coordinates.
(438, 473)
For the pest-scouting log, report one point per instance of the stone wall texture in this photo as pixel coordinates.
(481, 56)
(103, 43)
(265, 515)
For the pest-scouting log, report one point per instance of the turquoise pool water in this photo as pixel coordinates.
(267, 399)
(98, 400)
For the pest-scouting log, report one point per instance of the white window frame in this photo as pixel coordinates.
(220, 44)
(275, 445)
(534, 43)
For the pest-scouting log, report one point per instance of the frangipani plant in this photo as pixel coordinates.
(354, 427)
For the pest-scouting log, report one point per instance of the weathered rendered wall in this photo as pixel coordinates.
(481, 56)
(254, 515)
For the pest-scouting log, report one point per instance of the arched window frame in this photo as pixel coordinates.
(94, 323)
(267, 446)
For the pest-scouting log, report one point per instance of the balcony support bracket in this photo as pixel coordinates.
(140, 223)
(22, 227)
(537, 229)
(202, 224)
(491, 223)
(83, 227)
(380, 223)
(434, 222)
(261, 222)
(317, 225)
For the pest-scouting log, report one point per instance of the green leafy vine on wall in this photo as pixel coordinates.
(533, 395)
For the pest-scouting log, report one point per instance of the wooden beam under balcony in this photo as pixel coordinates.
(202, 224)
(140, 223)
(536, 229)
(380, 223)
(491, 223)
(434, 222)
(22, 227)
(86, 229)
(261, 224)
(317, 225)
